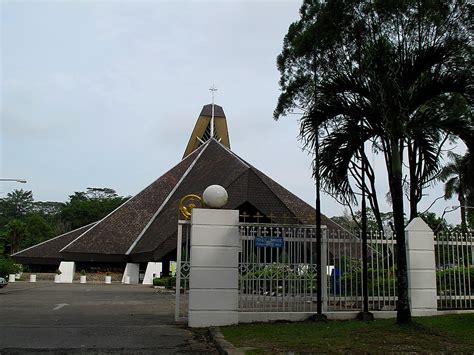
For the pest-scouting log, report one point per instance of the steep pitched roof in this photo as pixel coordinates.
(218, 165)
(114, 234)
(47, 252)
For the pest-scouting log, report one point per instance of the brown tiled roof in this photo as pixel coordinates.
(244, 183)
(145, 227)
(116, 232)
(47, 252)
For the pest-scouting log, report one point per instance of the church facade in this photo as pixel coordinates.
(144, 228)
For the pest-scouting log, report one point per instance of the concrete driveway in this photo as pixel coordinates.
(92, 318)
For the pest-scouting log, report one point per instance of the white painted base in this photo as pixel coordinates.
(83, 279)
(152, 270)
(11, 278)
(200, 319)
(68, 269)
(32, 278)
(131, 270)
(108, 279)
(57, 278)
(127, 280)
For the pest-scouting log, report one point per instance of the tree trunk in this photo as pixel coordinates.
(462, 203)
(396, 190)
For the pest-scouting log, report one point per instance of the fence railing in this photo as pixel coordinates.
(455, 270)
(344, 256)
(183, 266)
(277, 269)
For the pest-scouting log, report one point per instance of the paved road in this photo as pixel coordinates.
(92, 318)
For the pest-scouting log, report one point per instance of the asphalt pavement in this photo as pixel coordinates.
(49, 318)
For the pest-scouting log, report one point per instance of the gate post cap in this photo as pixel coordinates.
(215, 196)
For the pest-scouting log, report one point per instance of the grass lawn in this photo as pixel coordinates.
(452, 333)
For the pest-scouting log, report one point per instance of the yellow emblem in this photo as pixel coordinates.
(187, 204)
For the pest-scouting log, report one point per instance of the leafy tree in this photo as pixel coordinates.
(37, 230)
(380, 72)
(90, 206)
(436, 223)
(353, 222)
(17, 204)
(459, 180)
(15, 233)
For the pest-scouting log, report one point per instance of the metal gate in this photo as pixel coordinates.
(183, 251)
(277, 268)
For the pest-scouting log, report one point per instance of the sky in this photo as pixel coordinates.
(106, 94)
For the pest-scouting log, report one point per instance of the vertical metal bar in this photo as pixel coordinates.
(469, 241)
(458, 274)
(438, 265)
(178, 272)
(464, 298)
(445, 275)
(394, 250)
(372, 267)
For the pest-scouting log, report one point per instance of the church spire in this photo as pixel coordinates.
(211, 123)
(212, 89)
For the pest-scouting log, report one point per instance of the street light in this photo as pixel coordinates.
(21, 181)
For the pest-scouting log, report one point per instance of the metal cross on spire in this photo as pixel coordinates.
(212, 89)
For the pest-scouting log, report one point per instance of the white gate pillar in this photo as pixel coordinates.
(421, 268)
(213, 283)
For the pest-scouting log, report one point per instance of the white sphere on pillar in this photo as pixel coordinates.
(215, 196)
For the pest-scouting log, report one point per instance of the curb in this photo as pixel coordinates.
(222, 345)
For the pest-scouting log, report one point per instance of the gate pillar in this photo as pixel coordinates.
(421, 268)
(213, 284)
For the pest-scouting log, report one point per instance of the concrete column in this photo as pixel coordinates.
(421, 268)
(213, 284)
(131, 270)
(67, 268)
(151, 269)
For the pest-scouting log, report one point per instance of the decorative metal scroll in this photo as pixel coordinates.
(188, 203)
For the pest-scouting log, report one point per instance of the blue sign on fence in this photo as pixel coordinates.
(269, 242)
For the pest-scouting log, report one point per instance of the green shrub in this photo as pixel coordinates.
(455, 280)
(164, 281)
(7, 266)
(278, 278)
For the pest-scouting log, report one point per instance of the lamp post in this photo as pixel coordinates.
(21, 181)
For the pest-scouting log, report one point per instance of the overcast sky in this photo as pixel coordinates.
(105, 94)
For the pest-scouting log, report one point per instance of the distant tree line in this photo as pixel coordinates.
(25, 222)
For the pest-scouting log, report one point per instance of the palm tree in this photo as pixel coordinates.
(395, 67)
(458, 179)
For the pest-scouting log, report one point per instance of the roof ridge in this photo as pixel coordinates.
(152, 219)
